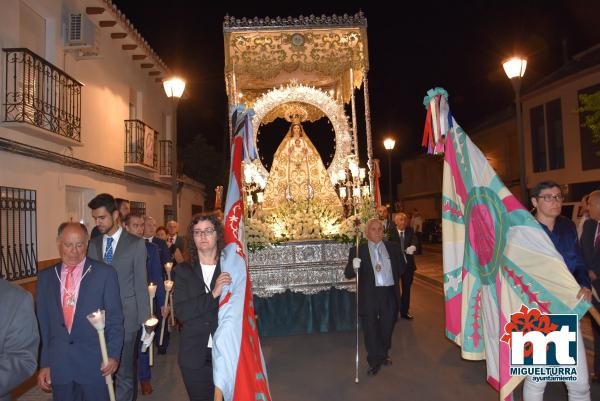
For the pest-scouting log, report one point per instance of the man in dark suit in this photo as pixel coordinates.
(150, 235)
(19, 337)
(379, 264)
(71, 361)
(403, 234)
(127, 254)
(165, 256)
(590, 246)
(386, 220)
(174, 240)
(134, 224)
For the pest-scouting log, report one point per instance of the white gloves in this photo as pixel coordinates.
(146, 339)
(411, 250)
(356, 263)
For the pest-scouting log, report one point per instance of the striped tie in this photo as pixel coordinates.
(108, 254)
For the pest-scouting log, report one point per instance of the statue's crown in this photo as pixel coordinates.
(295, 113)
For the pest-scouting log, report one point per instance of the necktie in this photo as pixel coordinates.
(108, 254)
(402, 245)
(170, 240)
(597, 239)
(68, 302)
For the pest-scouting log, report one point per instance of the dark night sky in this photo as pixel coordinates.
(455, 44)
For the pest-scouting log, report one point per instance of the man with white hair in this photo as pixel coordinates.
(590, 246)
(379, 265)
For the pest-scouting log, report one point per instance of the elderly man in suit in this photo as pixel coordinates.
(590, 246)
(71, 362)
(404, 235)
(379, 264)
(19, 338)
(127, 254)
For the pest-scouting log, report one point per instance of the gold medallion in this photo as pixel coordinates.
(70, 302)
(378, 268)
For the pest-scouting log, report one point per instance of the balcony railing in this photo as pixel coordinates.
(40, 94)
(166, 147)
(140, 145)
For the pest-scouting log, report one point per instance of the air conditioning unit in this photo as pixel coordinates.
(80, 32)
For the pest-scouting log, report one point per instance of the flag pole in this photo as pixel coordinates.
(357, 338)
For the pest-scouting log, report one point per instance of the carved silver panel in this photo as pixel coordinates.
(307, 267)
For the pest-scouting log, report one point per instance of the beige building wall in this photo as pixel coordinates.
(111, 82)
(565, 90)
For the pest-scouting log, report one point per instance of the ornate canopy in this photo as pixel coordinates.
(317, 62)
(264, 53)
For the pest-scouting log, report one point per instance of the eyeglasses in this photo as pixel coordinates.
(204, 233)
(549, 198)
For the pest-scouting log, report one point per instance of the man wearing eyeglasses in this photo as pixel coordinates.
(547, 198)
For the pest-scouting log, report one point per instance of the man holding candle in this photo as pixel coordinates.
(165, 257)
(70, 357)
(134, 224)
(127, 254)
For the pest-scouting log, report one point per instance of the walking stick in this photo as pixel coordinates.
(357, 339)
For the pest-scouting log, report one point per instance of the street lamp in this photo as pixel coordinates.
(389, 144)
(515, 69)
(174, 88)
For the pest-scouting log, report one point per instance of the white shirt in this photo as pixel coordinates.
(208, 271)
(115, 238)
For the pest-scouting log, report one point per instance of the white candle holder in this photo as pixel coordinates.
(97, 319)
(149, 326)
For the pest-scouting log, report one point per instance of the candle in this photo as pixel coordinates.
(342, 175)
(343, 192)
(356, 192)
(366, 190)
(168, 288)
(97, 320)
(260, 197)
(168, 268)
(152, 294)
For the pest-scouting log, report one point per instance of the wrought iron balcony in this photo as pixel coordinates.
(140, 145)
(166, 162)
(41, 95)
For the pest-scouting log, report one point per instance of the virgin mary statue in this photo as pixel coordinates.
(298, 173)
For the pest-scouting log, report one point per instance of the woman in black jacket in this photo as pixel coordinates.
(198, 285)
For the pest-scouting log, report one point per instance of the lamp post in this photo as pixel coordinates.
(174, 88)
(515, 69)
(389, 144)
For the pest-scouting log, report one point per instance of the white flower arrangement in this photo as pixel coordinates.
(306, 221)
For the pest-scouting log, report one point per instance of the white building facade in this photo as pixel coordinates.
(83, 113)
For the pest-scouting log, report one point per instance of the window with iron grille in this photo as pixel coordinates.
(137, 207)
(18, 233)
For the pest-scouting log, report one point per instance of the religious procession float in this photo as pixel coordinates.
(301, 217)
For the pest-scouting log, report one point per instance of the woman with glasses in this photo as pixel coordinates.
(547, 198)
(198, 285)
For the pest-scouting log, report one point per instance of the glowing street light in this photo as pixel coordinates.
(515, 70)
(174, 88)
